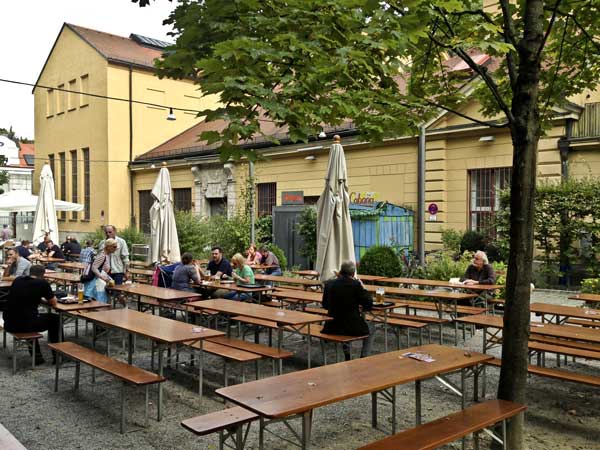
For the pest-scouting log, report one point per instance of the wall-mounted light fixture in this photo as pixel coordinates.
(171, 115)
(310, 158)
(487, 138)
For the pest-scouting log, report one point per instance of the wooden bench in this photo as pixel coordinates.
(429, 306)
(583, 323)
(564, 342)
(396, 324)
(229, 354)
(554, 373)
(444, 430)
(336, 339)
(259, 349)
(21, 340)
(8, 441)
(423, 319)
(123, 371)
(228, 422)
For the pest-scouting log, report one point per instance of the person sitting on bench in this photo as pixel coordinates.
(17, 265)
(21, 314)
(480, 271)
(342, 297)
(242, 274)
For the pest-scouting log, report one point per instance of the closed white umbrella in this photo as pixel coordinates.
(164, 242)
(45, 223)
(335, 242)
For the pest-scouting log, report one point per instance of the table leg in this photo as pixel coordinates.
(418, 402)
(160, 372)
(483, 374)
(93, 348)
(261, 434)
(279, 344)
(130, 348)
(374, 409)
(200, 369)
(306, 426)
(61, 331)
(308, 344)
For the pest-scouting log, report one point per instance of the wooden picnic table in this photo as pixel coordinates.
(310, 274)
(283, 318)
(137, 274)
(288, 280)
(284, 397)
(72, 266)
(438, 283)
(66, 310)
(160, 294)
(233, 286)
(63, 278)
(48, 260)
(588, 298)
(161, 330)
(560, 313)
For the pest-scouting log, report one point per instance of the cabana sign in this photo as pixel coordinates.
(363, 198)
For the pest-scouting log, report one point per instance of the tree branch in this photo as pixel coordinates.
(581, 28)
(464, 116)
(549, 29)
(509, 38)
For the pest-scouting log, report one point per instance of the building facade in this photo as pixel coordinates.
(89, 139)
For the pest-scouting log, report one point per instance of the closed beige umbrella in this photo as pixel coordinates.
(44, 222)
(164, 241)
(335, 242)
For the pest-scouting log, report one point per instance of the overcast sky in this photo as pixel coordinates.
(28, 28)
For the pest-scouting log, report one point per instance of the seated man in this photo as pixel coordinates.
(25, 251)
(269, 259)
(17, 265)
(480, 272)
(342, 297)
(53, 251)
(21, 314)
(217, 267)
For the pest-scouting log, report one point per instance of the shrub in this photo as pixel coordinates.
(307, 228)
(232, 235)
(263, 228)
(131, 235)
(472, 241)
(451, 239)
(442, 266)
(590, 286)
(193, 234)
(381, 260)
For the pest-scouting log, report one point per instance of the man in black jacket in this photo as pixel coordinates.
(343, 298)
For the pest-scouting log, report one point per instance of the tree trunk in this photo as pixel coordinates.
(525, 130)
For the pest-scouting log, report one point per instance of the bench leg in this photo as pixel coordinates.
(225, 372)
(93, 348)
(14, 355)
(200, 370)
(374, 409)
(33, 351)
(160, 372)
(257, 368)
(147, 389)
(56, 370)
(123, 407)
(77, 373)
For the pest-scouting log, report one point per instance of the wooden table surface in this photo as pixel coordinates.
(565, 311)
(217, 284)
(45, 259)
(143, 272)
(588, 298)
(65, 277)
(439, 283)
(370, 277)
(287, 280)
(304, 390)
(546, 329)
(72, 266)
(296, 294)
(422, 293)
(153, 327)
(159, 293)
(307, 273)
(70, 307)
(283, 317)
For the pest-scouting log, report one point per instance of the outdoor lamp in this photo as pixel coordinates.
(171, 115)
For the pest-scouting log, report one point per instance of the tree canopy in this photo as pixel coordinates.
(390, 66)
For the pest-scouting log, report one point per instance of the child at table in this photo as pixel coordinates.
(242, 274)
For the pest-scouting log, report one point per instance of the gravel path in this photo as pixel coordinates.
(561, 415)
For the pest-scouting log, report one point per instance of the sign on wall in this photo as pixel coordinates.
(292, 198)
(363, 198)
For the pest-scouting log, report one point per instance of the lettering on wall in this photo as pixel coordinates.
(363, 198)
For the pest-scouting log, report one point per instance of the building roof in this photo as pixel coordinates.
(135, 49)
(26, 155)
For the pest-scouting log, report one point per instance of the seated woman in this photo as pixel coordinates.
(480, 272)
(242, 274)
(254, 257)
(185, 273)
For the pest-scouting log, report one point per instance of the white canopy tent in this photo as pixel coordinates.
(20, 201)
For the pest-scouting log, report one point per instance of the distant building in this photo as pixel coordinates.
(89, 140)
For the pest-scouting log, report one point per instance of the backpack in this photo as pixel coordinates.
(164, 275)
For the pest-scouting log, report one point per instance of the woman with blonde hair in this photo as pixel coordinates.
(95, 276)
(242, 274)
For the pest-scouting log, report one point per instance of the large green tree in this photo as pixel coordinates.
(387, 65)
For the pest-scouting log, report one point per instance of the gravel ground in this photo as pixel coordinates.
(560, 416)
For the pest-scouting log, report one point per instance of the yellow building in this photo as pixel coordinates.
(466, 165)
(90, 140)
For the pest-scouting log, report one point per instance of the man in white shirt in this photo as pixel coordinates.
(119, 260)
